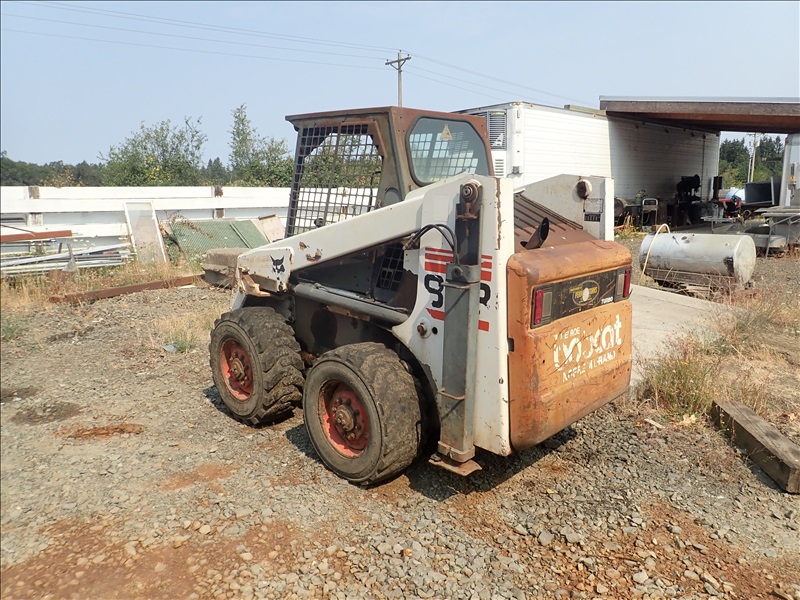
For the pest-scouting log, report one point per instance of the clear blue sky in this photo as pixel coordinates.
(79, 77)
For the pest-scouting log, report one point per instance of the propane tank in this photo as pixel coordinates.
(697, 257)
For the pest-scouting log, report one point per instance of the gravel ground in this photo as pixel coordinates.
(123, 476)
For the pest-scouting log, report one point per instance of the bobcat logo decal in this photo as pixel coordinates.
(277, 266)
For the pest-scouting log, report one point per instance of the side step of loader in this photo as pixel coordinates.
(448, 464)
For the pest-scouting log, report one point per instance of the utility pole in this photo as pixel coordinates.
(398, 64)
(753, 159)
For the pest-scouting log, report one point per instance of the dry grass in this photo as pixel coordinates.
(696, 370)
(183, 332)
(682, 381)
(22, 296)
(23, 293)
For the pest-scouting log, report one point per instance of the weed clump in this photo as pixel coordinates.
(681, 381)
(11, 326)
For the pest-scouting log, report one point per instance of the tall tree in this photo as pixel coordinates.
(255, 160)
(157, 155)
(215, 173)
(60, 175)
(88, 174)
(769, 158)
(734, 161)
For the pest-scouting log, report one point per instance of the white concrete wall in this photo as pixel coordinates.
(168, 199)
(96, 215)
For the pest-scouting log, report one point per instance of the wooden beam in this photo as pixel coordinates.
(767, 447)
(126, 289)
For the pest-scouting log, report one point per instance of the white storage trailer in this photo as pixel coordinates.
(531, 143)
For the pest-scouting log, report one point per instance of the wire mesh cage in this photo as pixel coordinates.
(336, 176)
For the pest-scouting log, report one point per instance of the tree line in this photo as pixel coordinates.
(168, 155)
(165, 155)
(735, 161)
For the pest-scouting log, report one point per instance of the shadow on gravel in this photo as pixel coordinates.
(212, 395)
(298, 436)
(438, 484)
(424, 478)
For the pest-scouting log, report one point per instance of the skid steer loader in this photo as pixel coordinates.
(437, 308)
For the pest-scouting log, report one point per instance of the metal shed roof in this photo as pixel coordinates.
(755, 115)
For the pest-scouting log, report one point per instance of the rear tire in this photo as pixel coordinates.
(256, 365)
(362, 412)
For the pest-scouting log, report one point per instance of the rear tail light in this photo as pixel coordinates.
(542, 306)
(626, 290)
(537, 306)
(623, 283)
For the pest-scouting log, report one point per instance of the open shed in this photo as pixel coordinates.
(663, 149)
(752, 115)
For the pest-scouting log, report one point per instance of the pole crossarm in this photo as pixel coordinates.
(398, 65)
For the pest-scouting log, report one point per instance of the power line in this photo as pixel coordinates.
(187, 37)
(458, 87)
(255, 33)
(414, 70)
(308, 62)
(538, 91)
(204, 26)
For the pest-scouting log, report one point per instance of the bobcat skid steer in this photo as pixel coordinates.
(439, 311)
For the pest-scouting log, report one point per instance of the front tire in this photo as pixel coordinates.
(256, 365)
(362, 412)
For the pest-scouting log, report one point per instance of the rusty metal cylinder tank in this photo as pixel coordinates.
(698, 257)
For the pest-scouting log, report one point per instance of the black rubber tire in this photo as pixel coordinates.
(387, 390)
(273, 352)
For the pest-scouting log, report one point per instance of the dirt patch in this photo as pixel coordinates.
(48, 413)
(106, 431)
(203, 474)
(82, 562)
(70, 335)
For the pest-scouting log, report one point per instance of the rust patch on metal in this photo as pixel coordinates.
(27, 236)
(251, 288)
(315, 257)
(123, 290)
(564, 370)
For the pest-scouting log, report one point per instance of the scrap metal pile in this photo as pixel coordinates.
(26, 252)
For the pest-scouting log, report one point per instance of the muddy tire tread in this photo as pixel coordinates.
(279, 361)
(394, 392)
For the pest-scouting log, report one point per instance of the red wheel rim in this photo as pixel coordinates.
(237, 369)
(344, 419)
